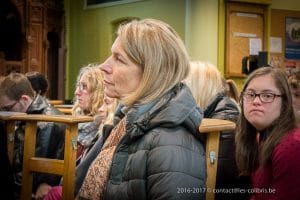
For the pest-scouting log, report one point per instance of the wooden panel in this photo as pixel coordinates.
(35, 53)
(36, 13)
(7, 67)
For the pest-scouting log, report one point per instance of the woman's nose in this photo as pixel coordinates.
(107, 65)
(257, 100)
(77, 91)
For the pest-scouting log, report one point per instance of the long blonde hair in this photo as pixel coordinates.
(95, 88)
(205, 82)
(155, 47)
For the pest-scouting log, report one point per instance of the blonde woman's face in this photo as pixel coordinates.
(261, 114)
(121, 75)
(82, 94)
(103, 110)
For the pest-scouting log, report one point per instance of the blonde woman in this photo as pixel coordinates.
(206, 84)
(88, 99)
(153, 151)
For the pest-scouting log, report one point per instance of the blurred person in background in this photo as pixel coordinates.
(17, 95)
(88, 99)
(38, 82)
(206, 84)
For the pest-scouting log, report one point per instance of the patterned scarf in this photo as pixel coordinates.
(95, 181)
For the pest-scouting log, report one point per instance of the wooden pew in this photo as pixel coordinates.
(65, 108)
(56, 102)
(65, 167)
(213, 128)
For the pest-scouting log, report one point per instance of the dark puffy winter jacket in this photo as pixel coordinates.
(160, 156)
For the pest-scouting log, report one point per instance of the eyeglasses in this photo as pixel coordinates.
(81, 86)
(8, 107)
(265, 97)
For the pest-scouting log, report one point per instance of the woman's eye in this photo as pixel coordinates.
(120, 59)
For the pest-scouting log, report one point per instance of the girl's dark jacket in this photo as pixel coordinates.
(161, 155)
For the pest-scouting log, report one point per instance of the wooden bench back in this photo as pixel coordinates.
(56, 102)
(213, 128)
(66, 109)
(31, 164)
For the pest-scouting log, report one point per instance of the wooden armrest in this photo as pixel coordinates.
(4, 115)
(211, 125)
(213, 128)
(67, 111)
(68, 119)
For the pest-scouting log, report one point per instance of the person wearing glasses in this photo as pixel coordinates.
(89, 95)
(88, 92)
(88, 99)
(267, 140)
(17, 95)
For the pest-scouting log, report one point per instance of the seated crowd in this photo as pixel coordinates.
(148, 100)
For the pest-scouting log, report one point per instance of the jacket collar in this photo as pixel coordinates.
(176, 107)
(37, 105)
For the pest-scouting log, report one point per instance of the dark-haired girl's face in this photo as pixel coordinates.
(262, 102)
